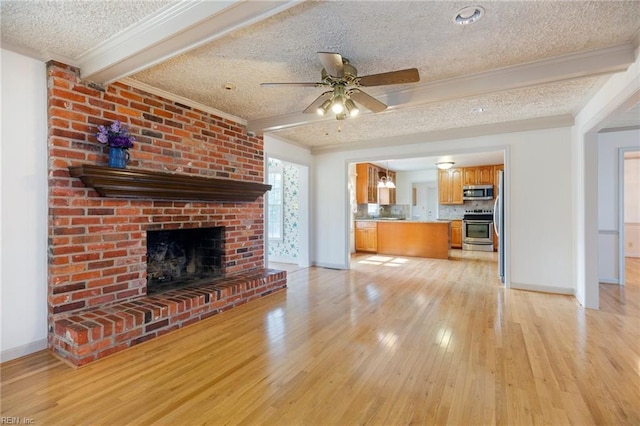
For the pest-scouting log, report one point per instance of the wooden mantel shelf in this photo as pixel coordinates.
(126, 183)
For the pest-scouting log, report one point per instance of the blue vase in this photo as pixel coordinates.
(118, 157)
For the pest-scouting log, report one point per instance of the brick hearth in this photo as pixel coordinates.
(97, 296)
(90, 335)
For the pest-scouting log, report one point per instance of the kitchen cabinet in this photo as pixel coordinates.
(481, 175)
(392, 191)
(456, 234)
(417, 239)
(368, 176)
(366, 183)
(450, 186)
(366, 236)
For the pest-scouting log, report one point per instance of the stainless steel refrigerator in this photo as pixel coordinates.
(498, 223)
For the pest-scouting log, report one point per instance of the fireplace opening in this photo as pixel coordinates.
(180, 257)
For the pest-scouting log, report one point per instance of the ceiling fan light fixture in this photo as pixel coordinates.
(324, 108)
(468, 15)
(352, 109)
(337, 106)
(445, 165)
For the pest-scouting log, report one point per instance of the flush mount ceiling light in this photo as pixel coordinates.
(444, 165)
(468, 15)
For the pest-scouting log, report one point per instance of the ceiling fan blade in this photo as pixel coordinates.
(393, 77)
(319, 100)
(367, 101)
(292, 84)
(332, 63)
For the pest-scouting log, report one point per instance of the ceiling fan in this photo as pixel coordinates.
(345, 84)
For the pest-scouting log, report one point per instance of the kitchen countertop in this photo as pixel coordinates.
(373, 219)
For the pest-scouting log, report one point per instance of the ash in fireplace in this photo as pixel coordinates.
(166, 261)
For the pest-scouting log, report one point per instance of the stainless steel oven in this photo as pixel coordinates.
(477, 230)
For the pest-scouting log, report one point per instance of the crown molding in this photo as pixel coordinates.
(619, 129)
(180, 99)
(44, 56)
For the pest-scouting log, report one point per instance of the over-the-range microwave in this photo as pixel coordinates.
(477, 192)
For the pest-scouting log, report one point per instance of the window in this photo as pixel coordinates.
(276, 205)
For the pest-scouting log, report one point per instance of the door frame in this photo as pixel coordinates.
(304, 258)
(621, 242)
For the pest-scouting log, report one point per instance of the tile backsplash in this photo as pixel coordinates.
(446, 211)
(375, 210)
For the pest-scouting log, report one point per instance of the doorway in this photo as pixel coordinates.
(618, 221)
(629, 222)
(287, 224)
(424, 201)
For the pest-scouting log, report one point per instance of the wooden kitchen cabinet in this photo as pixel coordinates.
(366, 183)
(366, 236)
(456, 234)
(368, 176)
(450, 186)
(416, 239)
(481, 175)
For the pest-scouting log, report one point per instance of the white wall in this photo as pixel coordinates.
(609, 232)
(632, 207)
(23, 206)
(632, 185)
(539, 209)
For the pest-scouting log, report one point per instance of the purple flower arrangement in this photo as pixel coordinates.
(116, 136)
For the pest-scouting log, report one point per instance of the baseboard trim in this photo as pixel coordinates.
(542, 288)
(23, 350)
(609, 281)
(330, 266)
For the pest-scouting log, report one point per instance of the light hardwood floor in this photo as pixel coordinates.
(624, 300)
(392, 341)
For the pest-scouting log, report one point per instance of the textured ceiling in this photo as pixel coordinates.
(69, 28)
(376, 36)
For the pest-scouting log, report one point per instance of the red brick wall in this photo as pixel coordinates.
(97, 245)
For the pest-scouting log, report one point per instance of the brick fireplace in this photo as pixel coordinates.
(98, 297)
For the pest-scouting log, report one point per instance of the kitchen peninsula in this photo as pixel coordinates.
(403, 237)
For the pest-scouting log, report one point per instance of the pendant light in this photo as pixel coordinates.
(386, 181)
